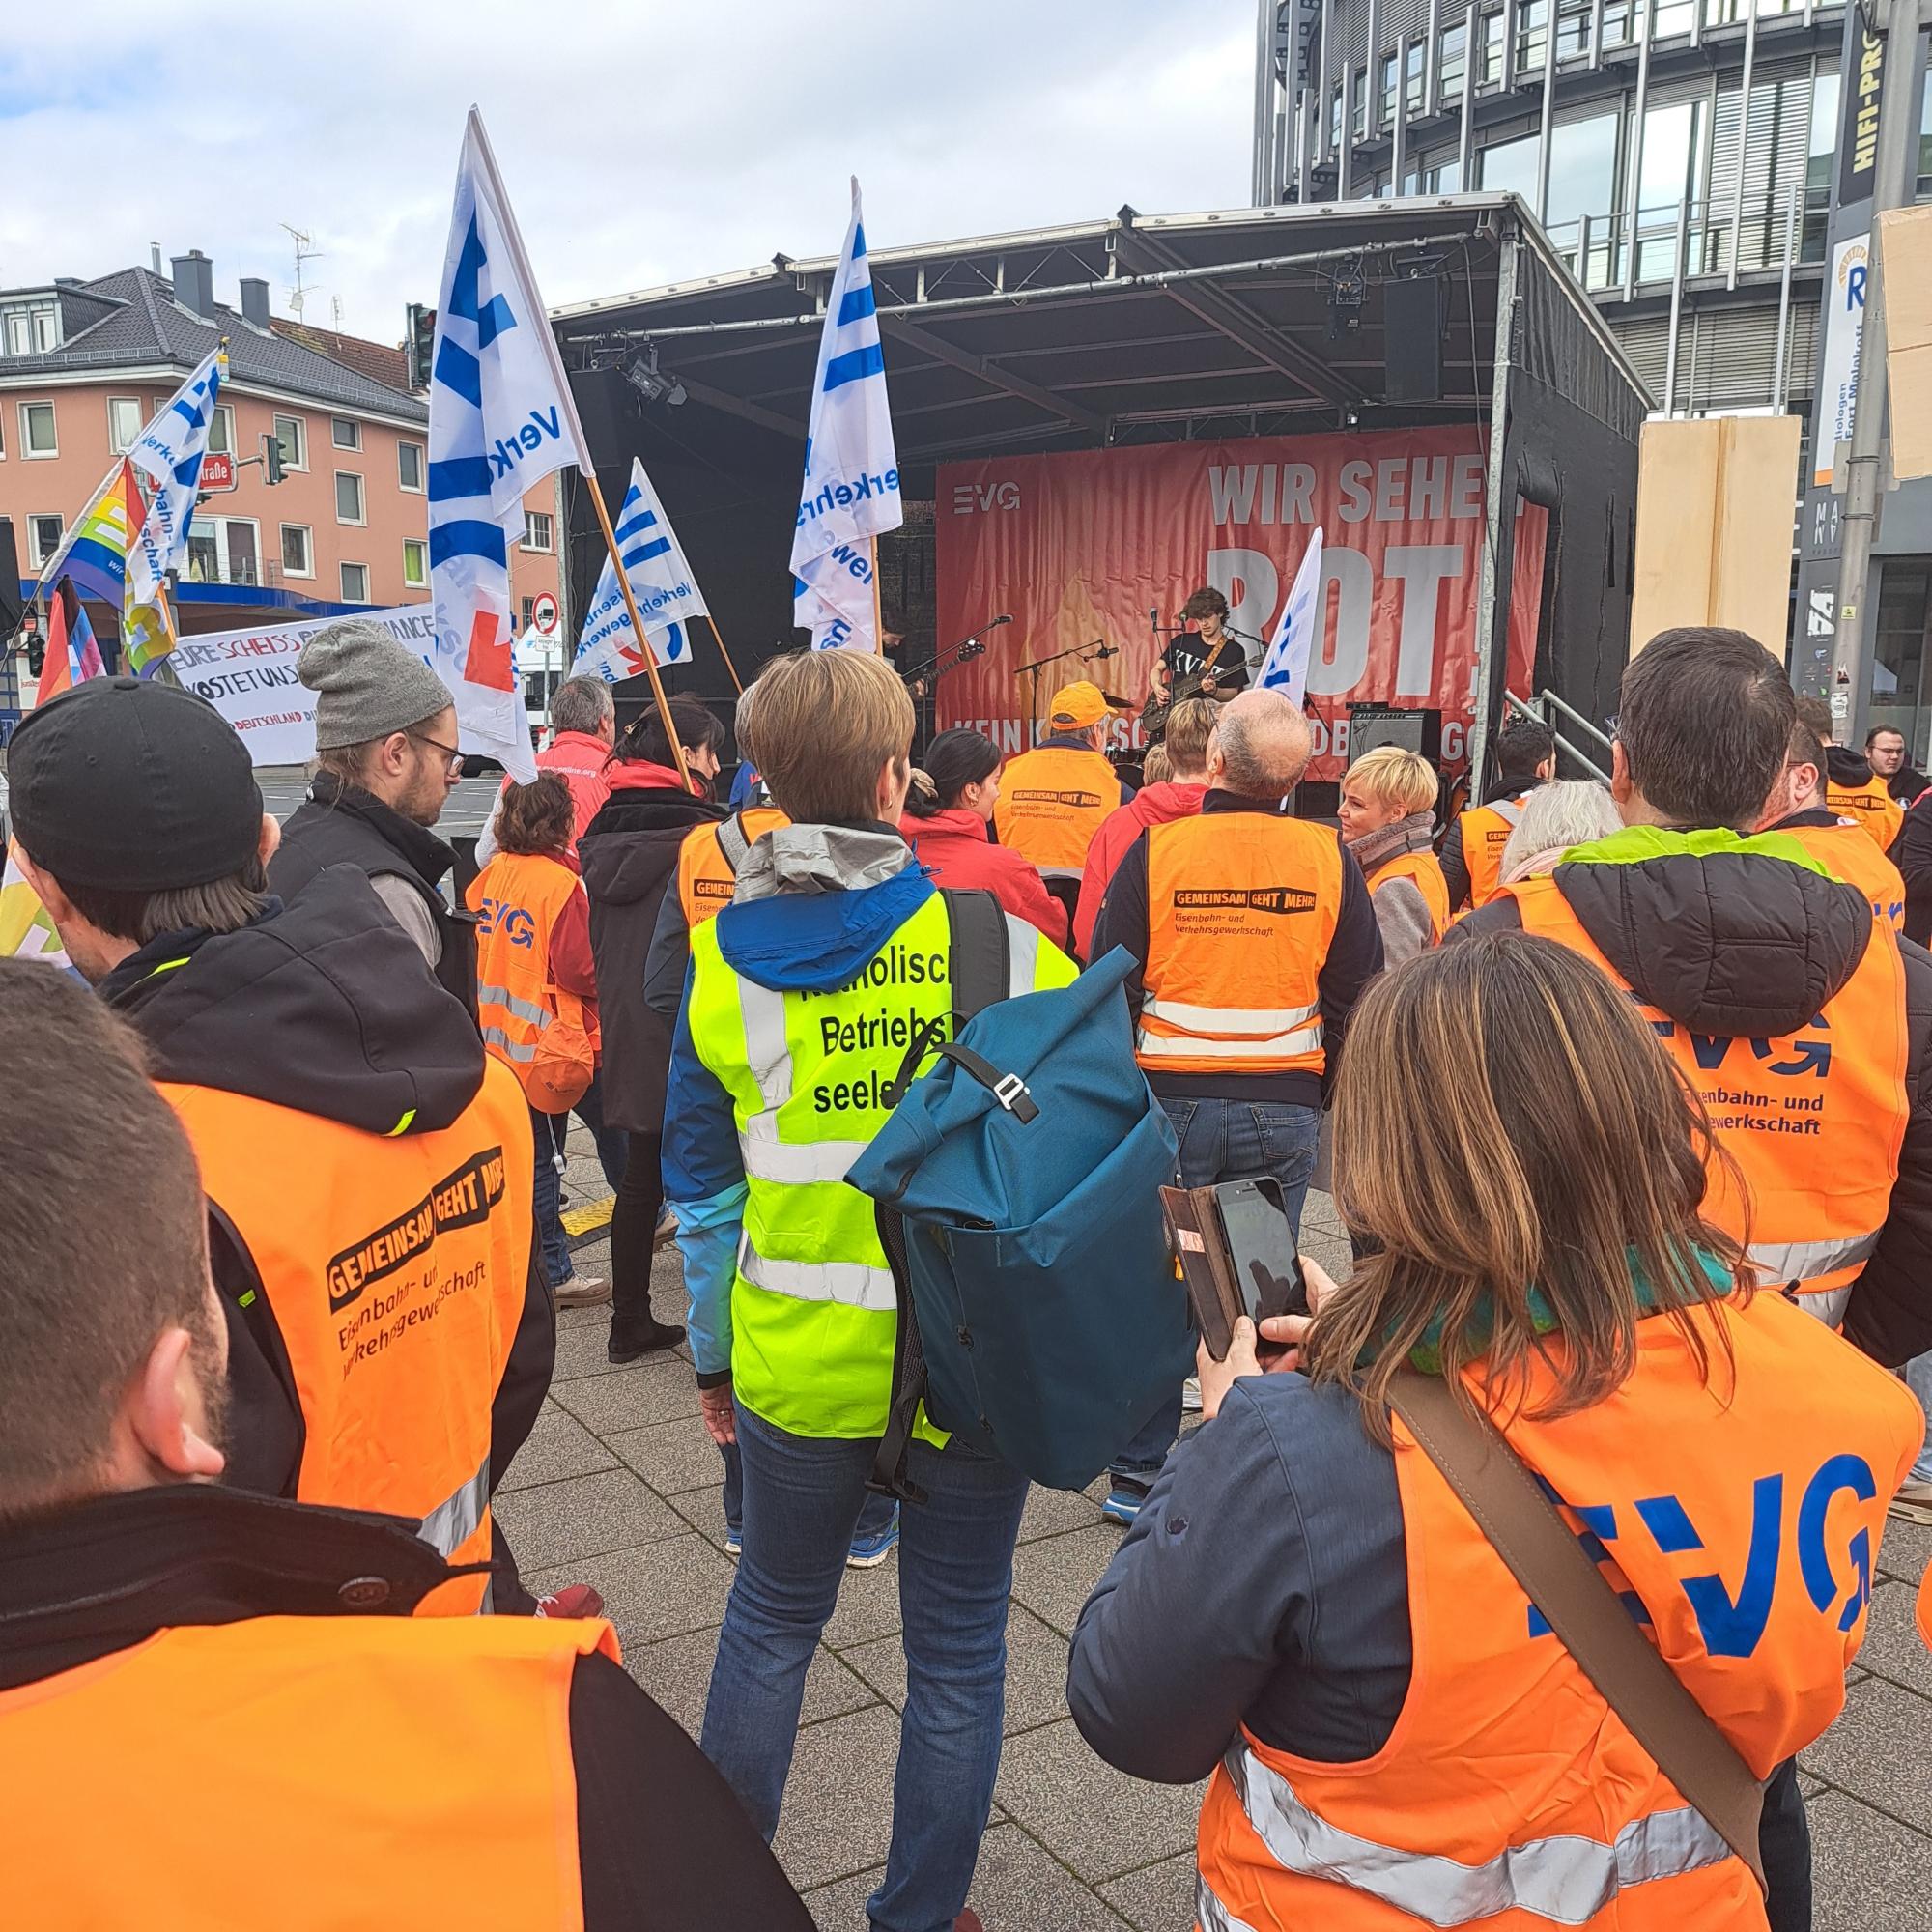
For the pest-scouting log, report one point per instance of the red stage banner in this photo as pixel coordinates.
(1080, 546)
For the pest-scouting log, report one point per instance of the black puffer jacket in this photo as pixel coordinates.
(1742, 944)
(629, 855)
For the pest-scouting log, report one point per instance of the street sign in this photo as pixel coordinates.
(546, 619)
(217, 470)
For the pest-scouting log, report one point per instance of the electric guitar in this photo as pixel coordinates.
(1154, 712)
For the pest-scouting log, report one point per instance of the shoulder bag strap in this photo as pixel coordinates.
(1544, 1555)
(979, 962)
(733, 842)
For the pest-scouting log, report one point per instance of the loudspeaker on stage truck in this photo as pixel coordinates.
(1412, 339)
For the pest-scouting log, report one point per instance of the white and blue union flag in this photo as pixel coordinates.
(500, 419)
(851, 468)
(169, 453)
(666, 593)
(1284, 668)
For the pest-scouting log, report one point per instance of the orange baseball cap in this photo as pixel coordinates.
(1079, 705)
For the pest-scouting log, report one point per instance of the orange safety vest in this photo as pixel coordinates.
(1240, 918)
(1870, 804)
(1486, 831)
(389, 1769)
(1814, 1120)
(1052, 802)
(520, 895)
(707, 870)
(1425, 870)
(395, 1269)
(1510, 1794)
(1846, 851)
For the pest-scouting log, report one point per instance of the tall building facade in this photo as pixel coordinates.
(1678, 153)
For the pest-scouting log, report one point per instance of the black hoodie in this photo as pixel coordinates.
(628, 854)
(324, 1007)
(1740, 944)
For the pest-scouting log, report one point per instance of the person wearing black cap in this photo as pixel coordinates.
(367, 1168)
(386, 763)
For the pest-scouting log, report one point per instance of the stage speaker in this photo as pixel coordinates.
(1372, 726)
(1412, 339)
(11, 606)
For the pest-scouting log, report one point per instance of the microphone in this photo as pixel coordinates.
(1106, 651)
(998, 621)
(1153, 615)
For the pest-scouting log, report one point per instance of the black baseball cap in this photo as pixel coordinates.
(130, 786)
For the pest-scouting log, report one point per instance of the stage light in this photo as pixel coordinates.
(641, 371)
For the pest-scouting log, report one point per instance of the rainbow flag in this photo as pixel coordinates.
(93, 555)
(72, 656)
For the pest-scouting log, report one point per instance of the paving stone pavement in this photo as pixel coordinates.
(618, 1485)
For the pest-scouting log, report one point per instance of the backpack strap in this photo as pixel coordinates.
(733, 842)
(978, 968)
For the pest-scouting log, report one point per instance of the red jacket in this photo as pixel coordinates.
(579, 760)
(1152, 805)
(954, 848)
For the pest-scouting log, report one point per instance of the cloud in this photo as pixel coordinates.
(640, 143)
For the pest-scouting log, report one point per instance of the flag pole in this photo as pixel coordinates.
(638, 624)
(878, 622)
(724, 654)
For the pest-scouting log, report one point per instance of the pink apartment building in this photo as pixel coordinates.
(84, 365)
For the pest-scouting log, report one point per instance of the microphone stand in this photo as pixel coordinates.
(1039, 665)
(953, 655)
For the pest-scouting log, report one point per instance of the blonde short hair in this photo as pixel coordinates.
(1189, 726)
(1392, 777)
(827, 723)
(1157, 768)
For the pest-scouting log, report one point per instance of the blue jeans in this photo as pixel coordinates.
(550, 1242)
(1918, 1378)
(1227, 1140)
(872, 1517)
(801, 1500)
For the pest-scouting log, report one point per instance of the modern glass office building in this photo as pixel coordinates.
(1679, 152)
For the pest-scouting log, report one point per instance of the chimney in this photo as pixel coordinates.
(194, 283)
(255, 300)
(154, 255)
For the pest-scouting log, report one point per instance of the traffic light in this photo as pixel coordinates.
(37, 653)
(272, 470)
(420, 343)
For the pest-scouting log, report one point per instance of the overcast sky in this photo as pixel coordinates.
(640, 142)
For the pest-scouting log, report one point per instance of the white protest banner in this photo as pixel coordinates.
(249, 677)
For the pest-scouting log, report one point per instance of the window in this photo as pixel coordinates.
(356, 584)
(1412, 76)
(1573, 29)
(44, 535)
(1671, 171)
(415, 564)
(1821, 158)
(1583, 172)
(410, 465)
(1619, 23)
(1359, 119)
(1509, 166)
(1452, 62)
(222, 550)
(124, 423)
(1532, 35)
(1924, 187)
(220, 432)
(537, 530)
(297, 557)
(1335, 116)
(530, 615)
(1386, 90)
(36, 430)
(292, 433)
(344, 433)
(1672, 17)
(1492, 48)
(33, 328)
(349, 497)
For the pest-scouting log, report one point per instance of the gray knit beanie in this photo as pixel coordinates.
(366, 684)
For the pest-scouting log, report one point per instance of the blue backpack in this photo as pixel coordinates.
(1017, 1183)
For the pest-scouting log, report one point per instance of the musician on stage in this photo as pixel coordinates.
(1208, 653)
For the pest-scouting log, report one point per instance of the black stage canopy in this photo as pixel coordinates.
(1131, 330)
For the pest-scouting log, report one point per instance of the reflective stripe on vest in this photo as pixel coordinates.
(814, 1313)
(394, 1269)
(1566, 1879)
(1247, 1031)
(520, 895)
(1812, 1120)
(454, 1520)
(1240, 913)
